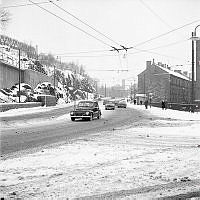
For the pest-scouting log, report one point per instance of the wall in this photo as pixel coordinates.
(33, 78)
(8, 106)
(47, 100)
(9, 75)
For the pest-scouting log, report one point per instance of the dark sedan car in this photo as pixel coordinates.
(110, 105)
(86, 110)
(122, 104)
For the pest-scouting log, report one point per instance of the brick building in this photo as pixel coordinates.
(159, 82)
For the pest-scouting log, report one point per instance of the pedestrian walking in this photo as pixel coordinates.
(146, 104)
(163, 104)
(150, 102)
(134, 101)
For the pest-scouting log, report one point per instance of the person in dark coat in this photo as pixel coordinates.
(146, 104)
(163, 104)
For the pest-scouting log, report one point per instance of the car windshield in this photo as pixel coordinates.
(85, 104)
(110, 102)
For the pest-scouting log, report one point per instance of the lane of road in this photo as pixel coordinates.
(37, 135)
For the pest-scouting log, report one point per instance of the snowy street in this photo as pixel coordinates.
(148, 160)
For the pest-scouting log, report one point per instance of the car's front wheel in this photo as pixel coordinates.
(91, 117)
(72, 118)
(99, 116)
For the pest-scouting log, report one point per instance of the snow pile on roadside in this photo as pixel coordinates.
(105, 162)
(22, 111)
(169, 113)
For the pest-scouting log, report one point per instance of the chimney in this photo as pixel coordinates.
(185, 73)
(178, 71)
(148, 64)
(168, 67)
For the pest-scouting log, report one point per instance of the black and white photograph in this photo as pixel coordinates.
(100, 99)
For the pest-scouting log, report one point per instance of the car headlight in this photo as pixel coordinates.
(87, 113)
(71, 113)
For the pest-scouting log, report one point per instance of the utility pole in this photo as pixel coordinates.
(54, 80)
(19, 78)
(192, 92)
(144, 85)
(105, 90)
(131, 91)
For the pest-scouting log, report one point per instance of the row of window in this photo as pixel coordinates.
(180, 82)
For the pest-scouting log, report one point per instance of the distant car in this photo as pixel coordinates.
(110, 105)
(117, 101)
(105, 101)
(86, 110)
(122, 104)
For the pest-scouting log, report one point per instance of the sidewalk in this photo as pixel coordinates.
(169, 113)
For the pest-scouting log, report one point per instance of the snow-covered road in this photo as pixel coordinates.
(110, 162)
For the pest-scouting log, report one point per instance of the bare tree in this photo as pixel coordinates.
(4, 18)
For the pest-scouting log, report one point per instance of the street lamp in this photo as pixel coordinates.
(19, 74)
(193, 38)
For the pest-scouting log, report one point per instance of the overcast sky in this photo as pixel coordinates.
(125, 22)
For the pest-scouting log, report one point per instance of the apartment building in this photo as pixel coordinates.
(158, 82)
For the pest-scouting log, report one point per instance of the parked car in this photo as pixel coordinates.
(105, 101)
(86, 110)
(117, 101)
(110, 105)
(122, 104)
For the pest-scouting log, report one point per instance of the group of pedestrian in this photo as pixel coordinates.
(148, 103)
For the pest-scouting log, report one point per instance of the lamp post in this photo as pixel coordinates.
(54, 80)
(19, 78)
(193, 38)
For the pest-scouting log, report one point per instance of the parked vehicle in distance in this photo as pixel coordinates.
(105, 101)
(122, 104)
(110, 105)
(117, 101)
(86, 110)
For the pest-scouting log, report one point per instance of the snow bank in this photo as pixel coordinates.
(104, 162)
(22, 111)
(173, 114)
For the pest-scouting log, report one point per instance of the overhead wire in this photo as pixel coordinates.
(80, 20)
(149, 40)
(166, 33)
(170, 44)
(23, 5)
(83, 52)
(80, 29)
(141, 43)
(138, 51)
(155, 14)
(91, 27)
